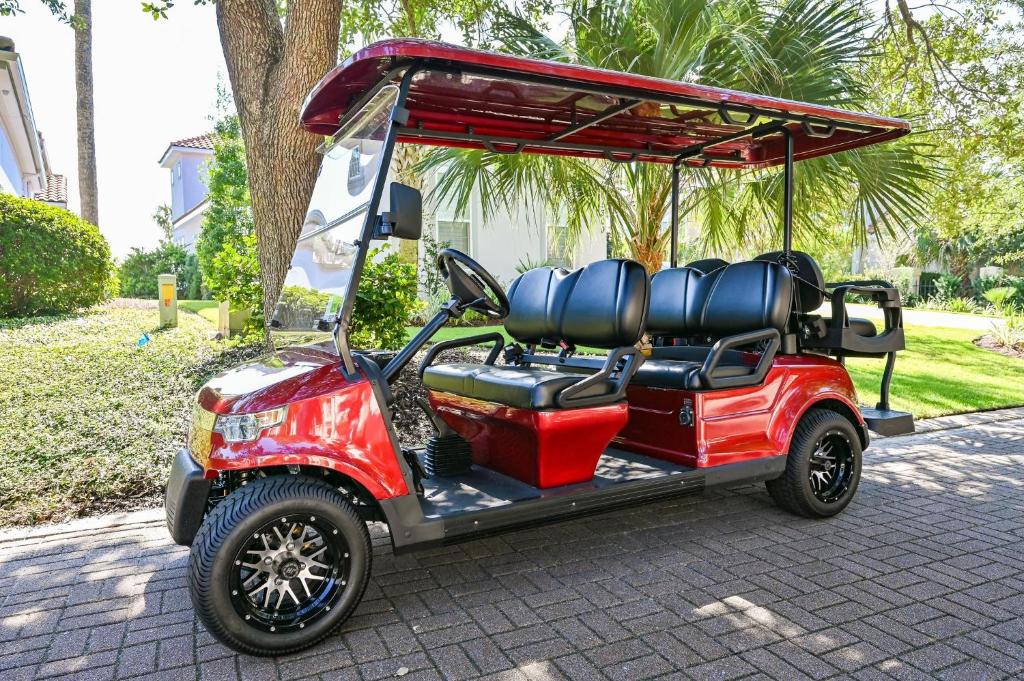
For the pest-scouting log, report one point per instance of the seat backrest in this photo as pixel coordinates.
(603, 305)
(744, 296)
(810, 283)
(707, 265)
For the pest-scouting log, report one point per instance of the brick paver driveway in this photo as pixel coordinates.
(921, 577)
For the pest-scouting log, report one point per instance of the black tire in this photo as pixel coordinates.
(807, 488)
(216, 568)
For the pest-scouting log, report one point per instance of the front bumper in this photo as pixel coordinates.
(186, 497)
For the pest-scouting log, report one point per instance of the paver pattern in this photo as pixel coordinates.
(922, 577)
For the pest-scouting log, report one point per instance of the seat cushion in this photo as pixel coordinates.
(525, 388)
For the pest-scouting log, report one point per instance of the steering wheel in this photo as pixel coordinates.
(472, 285)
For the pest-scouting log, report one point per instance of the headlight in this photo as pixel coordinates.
(247, 427)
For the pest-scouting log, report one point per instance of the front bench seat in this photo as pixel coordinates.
(602, 305)
(522, 387)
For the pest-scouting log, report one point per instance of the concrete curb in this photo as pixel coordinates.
(976, 418)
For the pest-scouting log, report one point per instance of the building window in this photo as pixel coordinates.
(559, 246)
(455, 233)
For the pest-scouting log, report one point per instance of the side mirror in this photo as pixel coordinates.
(405, 218)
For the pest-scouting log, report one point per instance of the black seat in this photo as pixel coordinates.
(810, 286)
(602, 305)
(702, 308)
(707, 265)
(523, 387)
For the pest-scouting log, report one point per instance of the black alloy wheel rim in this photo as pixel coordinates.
(832, 467)
(289, 573)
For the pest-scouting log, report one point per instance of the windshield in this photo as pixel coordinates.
(321, 269)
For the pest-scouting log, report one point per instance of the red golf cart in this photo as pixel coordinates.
(740, 380)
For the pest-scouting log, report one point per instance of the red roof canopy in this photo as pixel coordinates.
(485, 100)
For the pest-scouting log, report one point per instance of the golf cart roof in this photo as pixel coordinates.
(461, 97)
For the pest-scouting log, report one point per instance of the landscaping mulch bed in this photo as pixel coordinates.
(988, 343)
(410, 421)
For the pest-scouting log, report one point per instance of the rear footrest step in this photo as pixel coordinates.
(888, 421)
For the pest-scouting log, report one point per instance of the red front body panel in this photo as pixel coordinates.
(739, 424)
(332, 422)
(541, 448)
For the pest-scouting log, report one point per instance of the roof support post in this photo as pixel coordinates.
(674, 229)
(787, 204)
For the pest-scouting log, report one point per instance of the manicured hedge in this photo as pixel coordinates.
(51, 260)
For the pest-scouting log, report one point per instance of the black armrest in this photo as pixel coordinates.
(631, 360)
(493, 337)
(718, 350)
(841, 337)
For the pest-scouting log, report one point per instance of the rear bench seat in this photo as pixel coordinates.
(729, 300)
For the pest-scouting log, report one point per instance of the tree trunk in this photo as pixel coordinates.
(86, 120)
(272, 67)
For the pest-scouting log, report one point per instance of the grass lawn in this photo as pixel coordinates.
(941, 372)
(206, 309)
(91, 421)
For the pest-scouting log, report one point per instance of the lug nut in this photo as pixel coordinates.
(267, 560)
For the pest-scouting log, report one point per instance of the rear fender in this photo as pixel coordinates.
(832, 389)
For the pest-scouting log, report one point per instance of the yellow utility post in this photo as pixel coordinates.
(168, 293)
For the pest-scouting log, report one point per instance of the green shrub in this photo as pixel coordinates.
(947, 287)
(52, 260)
(140, 269)
(1010, 334)
(234, 276)
(297, 305)
(956, 304)
(1003, 298)
(385, 300)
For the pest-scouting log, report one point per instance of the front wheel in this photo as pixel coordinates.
(823, 466)
(279, 565)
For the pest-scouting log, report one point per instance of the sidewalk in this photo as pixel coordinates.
(922, 577)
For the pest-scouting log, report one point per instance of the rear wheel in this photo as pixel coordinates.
(279, 565)
(823, 466)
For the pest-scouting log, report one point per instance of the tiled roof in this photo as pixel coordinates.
(56, 190)
(201, 142)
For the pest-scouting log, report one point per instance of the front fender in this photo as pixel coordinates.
(342, 430)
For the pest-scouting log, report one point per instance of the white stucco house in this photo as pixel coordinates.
(24, 167)
(188, 160)
(527, 235)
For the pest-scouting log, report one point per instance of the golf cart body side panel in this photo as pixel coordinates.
(474, 99)
(543, 448)
(332, 421)
(734, 425)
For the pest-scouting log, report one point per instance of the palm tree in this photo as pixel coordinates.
(808, 50)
